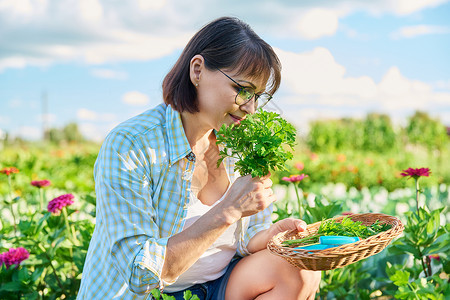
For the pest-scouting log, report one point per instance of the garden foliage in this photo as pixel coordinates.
(416, 265)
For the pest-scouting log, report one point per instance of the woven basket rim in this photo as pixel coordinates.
(348, 253)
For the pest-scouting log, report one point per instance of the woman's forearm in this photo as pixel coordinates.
(259, 241)
(184, 248)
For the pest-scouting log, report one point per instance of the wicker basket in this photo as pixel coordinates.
(340, 256)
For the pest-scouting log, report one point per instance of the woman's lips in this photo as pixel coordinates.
(236, 119)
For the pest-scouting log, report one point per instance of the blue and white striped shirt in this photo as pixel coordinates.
(142, 179)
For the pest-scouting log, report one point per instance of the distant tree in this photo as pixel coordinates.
(426, 131)
(379, 134)
(69, 133)
(72, 133)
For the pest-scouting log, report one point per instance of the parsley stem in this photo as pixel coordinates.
(302, 240)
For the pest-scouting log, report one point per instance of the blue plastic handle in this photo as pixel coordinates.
(337, 240)
(315, 247)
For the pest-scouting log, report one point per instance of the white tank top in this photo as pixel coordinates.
(213, 263)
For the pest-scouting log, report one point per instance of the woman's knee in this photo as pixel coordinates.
(311, 278)
(263, 272)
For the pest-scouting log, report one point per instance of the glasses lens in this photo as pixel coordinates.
(262, 100)
(244, 95)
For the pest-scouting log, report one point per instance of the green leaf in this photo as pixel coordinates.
(166, 297)
(441, 244)
(261, 142)
(400, 278)
(187, 295)
(156, 293)
(13, 286)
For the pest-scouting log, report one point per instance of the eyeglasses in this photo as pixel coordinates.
(245, 95)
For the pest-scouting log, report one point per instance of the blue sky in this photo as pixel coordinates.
(101, 62)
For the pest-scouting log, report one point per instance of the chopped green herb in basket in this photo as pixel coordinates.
(261, 142)
(346, 227)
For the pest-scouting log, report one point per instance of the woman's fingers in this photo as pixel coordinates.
(291, 224)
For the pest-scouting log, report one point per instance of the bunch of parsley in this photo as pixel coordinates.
(261, 142)
(346, 227)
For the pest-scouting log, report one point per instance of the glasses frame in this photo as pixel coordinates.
(255, 95)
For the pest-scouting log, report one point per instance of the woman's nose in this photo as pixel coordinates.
(249, 107)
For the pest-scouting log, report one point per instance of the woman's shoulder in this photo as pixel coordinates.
(142, 124)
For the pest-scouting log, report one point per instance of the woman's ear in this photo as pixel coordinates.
(196, 67)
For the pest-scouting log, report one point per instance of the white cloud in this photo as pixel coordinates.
(395, 84)
(22, 8)
(41, 32)
(109, 74)
(151, 4)
(27, 132)
(131, 46)
(317, 23)
(417, 30)
(315, 86)
(443, 84)
(15, 103)
(406, 7)
(91, 10)
(135, 98)
(95, 132)
(317, 73)
(48, 118)
(5, 120)
(85, 114)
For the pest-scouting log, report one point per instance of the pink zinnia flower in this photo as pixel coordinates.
(14, 256)
(416, 173)
(434, 256)
(9, 170)
(58, 203)
(295, 178)
(299, 165)
(40, 183)
(313, 156)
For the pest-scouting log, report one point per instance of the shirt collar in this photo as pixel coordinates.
(178, 144)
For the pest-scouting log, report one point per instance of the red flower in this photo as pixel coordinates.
(14, 256)
(9, 170)
(40, 183)
(58, 203)
(416, 173)
(295, 178)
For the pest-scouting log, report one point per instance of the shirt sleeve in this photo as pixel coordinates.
(125, 207)
(251, 226)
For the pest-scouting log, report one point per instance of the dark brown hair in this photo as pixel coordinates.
(225, 43)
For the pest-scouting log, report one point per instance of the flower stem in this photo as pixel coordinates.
(51, 265)
(299, 202)
(41, 199)
(428, 264)
(12, 205)
(73, 239)
(417, 193)
(69, 228)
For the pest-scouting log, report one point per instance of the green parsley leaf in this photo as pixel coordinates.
(262, 142)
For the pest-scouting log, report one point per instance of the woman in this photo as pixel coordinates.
(167, 216)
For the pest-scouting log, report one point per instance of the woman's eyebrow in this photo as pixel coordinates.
(246, 82)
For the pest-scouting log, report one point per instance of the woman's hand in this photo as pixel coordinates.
(260, 240)
(248, 196)
(287, 224)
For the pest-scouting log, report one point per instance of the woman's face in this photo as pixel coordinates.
(216, 97)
